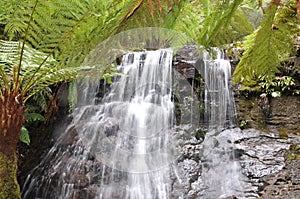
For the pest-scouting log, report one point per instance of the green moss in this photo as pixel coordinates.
(294, 152)
(9, 187)
(283, 134)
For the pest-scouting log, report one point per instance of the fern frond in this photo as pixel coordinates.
(9, 57)
(190, 19)
(218, 18)
(52, 76)
(33, 117)
(272, 43)
(149, 13)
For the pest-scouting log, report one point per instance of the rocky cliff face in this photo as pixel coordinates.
(270, 114)
(268, 147)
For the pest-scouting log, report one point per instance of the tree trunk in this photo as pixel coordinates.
(11, 119)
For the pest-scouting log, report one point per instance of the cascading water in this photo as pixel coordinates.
(128, 134)
(125, 146)
(221, 172)
(218, 95)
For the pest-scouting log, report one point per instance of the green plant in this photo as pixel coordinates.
(24, 135)
(30, 118)
(276, 86)
(294, 152)
(272, 43)
(244, 124)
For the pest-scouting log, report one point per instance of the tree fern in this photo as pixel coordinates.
(272, 43)
(213, 23)
(149, 13)
(218, 18)
(54, 28)
(190, 18)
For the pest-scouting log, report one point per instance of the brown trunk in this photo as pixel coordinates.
(11, 119)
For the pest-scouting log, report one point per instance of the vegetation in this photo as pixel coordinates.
(44, 42)
(270, 45)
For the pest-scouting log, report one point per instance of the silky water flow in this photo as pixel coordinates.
(221, 171)
(125, 145)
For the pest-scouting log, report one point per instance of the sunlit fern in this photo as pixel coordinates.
(271, 44)
(54, 37)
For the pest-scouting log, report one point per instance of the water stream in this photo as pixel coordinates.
(126, 146)
(221, 172)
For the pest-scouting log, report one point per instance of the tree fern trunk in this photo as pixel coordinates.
(11, 119)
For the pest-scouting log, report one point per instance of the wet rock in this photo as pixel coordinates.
(268, 162)
(265, 161)
(85, 193)
(279, 114)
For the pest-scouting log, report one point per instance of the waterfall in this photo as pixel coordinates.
(218, 94)
(125, 145)
(221, 171)
(126, 138)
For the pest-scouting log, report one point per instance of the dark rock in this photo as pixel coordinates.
(278, 114)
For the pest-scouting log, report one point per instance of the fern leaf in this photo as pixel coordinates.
(52, 76)
(24, 136)
(33, 117)
(272, 43)
(219, 18)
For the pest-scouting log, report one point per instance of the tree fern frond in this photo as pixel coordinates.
(53, 76)
(17, 13)
(190, 18)
(272, 43)
(9, 57)
(149, 13)
(218, 18)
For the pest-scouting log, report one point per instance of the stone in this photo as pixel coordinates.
(282, 113)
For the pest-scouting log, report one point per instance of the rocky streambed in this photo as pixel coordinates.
(269, 163)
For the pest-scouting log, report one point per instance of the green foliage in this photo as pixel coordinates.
(110, 73)
(32, 77)
(244, 124)
(215, 27)
(294, 152)
(30, 118)
(24, 136)
(34, 117)
(213, 23)
(149, 13)
(276, 86)
(271, 44)
(190, 18)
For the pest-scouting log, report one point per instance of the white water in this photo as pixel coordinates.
(145, 113)
(124, 146)
(218, 94)
(128, 133)
(221, 171)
